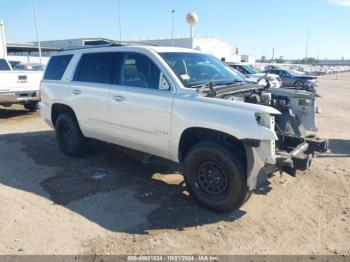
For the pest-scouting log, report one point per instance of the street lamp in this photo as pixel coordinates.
(307, 45)
(36, 30)
(119, 21)
(172, 27)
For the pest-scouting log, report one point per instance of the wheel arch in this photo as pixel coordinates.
(58, 109)
(193, 135)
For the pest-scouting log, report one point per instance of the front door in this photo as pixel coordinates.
(141, 106)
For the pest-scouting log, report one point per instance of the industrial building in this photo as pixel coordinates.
(23, 52)
(29, 53)
(221, 49)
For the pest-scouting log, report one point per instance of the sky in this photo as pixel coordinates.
(254, 26)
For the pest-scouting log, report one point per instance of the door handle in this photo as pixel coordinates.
(118, 98)
(76, 92)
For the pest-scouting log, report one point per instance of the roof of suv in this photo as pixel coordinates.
(157, 49)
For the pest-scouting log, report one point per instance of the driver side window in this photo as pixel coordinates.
(139, 71)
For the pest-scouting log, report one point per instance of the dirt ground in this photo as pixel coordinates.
(116, 201)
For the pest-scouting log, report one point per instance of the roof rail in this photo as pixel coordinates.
(131, 43)
(112, 44)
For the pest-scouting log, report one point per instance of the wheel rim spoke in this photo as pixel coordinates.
(212, 179)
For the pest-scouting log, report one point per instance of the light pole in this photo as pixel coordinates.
(307, 46)
(119, 21)
(36, 29)
(172, 27)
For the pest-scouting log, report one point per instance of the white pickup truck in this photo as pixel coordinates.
(178, 104)
(19, 87)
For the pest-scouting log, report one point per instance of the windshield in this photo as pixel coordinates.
(250, 69)
(195, 69)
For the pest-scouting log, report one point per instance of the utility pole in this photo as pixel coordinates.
(172, 27)
(3, 48)
(273, 53)
(37, 30)
(119, 21)
(307, 46)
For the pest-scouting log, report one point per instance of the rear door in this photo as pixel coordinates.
(141, 105)
(90, 92)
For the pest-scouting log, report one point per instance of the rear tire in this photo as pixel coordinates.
(69, 137)
(215, 177)
(31, 106)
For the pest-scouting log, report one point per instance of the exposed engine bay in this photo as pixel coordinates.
(295, 127)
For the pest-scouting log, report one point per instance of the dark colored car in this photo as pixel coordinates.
(293, 79)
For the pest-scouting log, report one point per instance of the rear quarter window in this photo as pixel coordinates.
(56, 67)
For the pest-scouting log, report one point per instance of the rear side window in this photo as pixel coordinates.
(56, 67)
(97, 68)
(4, 66)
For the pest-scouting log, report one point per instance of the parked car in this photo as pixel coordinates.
(296, 80)
(19, 87)
(30, 67)
(261, 81)
(178, 104)
(250, 72)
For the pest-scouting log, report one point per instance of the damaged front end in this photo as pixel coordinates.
(295, 152)
(295, 128)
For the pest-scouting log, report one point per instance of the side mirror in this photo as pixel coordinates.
(163, 82)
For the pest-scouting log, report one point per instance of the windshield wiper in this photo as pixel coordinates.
(203, 89)
(228, 83)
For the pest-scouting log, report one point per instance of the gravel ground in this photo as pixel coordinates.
(116, 201)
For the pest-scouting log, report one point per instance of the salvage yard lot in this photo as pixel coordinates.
(117, 201)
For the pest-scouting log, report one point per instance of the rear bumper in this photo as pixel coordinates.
(19, 97)
(45, 113)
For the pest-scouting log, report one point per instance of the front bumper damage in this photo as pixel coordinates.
(295, 153)
(292, 154)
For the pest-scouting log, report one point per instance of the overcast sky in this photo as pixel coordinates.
(255, 26)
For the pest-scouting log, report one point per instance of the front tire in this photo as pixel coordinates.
(299, 84)
(31, 106)
(69, 137)
(215, 177)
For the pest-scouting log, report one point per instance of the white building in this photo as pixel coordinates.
(23, 52)
(210, 45)
(248, 59)
(77, 42)
(214, 46)
(28, 52)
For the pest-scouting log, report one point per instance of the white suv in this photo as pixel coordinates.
(175, 103)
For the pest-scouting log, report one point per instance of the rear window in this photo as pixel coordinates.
(56, 67)
(4, 65)
(97, 68)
